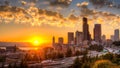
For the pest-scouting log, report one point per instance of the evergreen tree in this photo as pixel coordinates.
(3, 65)
(15, 66)
(77, 53)
(69, 52)
(9, 66)
(77, 63)
(23, 64)
(86, 65)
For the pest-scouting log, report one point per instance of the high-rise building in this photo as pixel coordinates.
(53, 41)
(103, 38)
(60, 40)
(97, 33)
(70, 38)
(112, 37)
(116, 35)
(86, 34)
(79, 37)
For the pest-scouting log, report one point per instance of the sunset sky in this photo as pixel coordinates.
(24, 20)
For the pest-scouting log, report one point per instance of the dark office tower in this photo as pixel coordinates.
(86, 34)
(70, 38)
(60, 40)
(78, 37)
(116, 35)
(97, 32)
(103, 38)
(112, 37)
(53, 41)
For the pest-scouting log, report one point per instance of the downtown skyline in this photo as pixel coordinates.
(67, 17)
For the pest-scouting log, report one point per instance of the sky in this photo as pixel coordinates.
(24, 20)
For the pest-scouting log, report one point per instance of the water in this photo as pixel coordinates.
(22, 45)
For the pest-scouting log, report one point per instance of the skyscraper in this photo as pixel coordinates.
(70, 38)
(86, 34)
(116, 35)
(60, 40)
(79, 37)
(103, 38)
(97, 32)
(53, 41)
(112, 37)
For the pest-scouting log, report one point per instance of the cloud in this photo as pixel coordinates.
(62, 3)
(73, 17)
(85, 11)
(103, 17)
(103, 3)
(82, 4)
(34, 16)
(4, 2)
(23, 2)
(28, 3)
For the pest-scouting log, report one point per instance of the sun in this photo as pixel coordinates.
(36, 42)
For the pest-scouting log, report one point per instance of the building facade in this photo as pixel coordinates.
(53, 41)
(78, 37)
(86, 34)
(97, 33)
(70, 38)
(61, 40)
(116, 35)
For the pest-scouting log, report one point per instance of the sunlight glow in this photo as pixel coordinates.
(36, 41)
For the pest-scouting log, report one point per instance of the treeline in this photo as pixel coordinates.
(116, 43)
(38, 56)
(105, 61)
(96, 47)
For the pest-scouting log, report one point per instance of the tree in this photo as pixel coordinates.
(96, 47)
(2, 58)
(9, 66)
(102, 64)
(15, 66)
(116, 43)
(3, 65)
(108, 56)
(69, 52)
(86, 65)
(23, 64)
(77, 53)
(77, 63)
(60, 55)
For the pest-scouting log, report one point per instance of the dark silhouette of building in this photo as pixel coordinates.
(78, 37)
(60, 40)
(97, 32)
(53, 41)
(70, 38)
(103, 39)
(11, 48)
(86, 34)
(116, 35)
